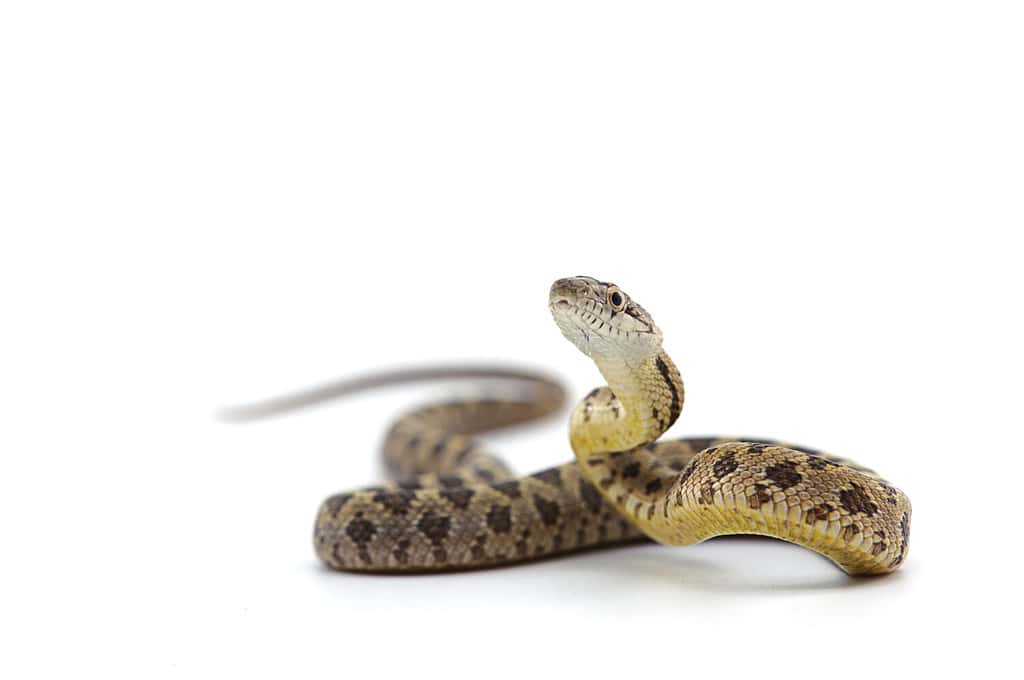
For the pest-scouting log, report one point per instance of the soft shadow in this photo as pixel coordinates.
(726, 565)
(737, 564)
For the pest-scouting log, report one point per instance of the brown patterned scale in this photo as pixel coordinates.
(462, 511)
(460, 507)
(455, 506)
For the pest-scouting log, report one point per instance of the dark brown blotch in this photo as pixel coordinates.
(360, 530)
(499, 519)
(434, 527)
(396, 502)
(855, 500)
(550, 476)
(548, 510)
(676, 405)
(904, 540)
(783, 474)
(725, 465)
(459, 496)
(509, 488)
(816, 462)
(631, 470)
(590, 495)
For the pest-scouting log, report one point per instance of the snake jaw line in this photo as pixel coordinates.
(583, 310)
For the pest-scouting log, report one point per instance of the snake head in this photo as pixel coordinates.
(602, 320)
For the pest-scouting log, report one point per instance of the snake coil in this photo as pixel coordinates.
(453, 505)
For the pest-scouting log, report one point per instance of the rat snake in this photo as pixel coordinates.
(456, 506)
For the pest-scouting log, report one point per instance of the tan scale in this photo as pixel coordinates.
(453, 505)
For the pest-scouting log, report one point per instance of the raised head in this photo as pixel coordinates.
(603, 321)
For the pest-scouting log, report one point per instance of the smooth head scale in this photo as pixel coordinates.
(644, 394)
(603, 321)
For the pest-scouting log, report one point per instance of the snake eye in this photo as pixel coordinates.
(616, 299)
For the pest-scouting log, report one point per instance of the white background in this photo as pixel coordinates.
(207, 202)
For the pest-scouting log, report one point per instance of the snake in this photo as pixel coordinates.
(453, 505)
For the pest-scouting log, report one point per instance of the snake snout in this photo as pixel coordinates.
(568, 292)
(562, 288)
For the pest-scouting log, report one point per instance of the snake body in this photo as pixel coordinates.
(453, 505)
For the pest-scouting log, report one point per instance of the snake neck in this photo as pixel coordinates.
(639, 404)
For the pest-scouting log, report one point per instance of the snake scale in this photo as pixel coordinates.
(453, 505)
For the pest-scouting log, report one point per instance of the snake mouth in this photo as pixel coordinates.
(569, 317)
(602, 322)
(568, 310)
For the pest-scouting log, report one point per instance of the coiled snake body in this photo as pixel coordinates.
(455, 506)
